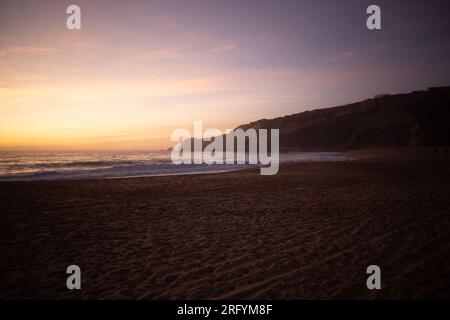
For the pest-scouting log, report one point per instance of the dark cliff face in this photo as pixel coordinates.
(420, 118)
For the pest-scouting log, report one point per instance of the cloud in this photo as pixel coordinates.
(340, 56)
(163, 53)
(230, 45)
(78, 41)
(25, 50)
(30, 77)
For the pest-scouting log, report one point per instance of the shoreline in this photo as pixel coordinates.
(116, 171)
(307, 233)
(391, 153)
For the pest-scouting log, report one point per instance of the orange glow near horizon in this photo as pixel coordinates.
(137, 70)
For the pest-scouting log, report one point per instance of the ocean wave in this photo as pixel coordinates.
(78, 164)
(121, 171)
(116, 165)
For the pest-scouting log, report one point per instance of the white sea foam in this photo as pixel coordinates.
(119, 164)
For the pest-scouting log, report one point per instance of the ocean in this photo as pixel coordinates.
(53, 165)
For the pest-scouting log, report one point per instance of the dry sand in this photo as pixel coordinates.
(308, 232)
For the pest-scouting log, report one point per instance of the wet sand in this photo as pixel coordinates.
(307, 233)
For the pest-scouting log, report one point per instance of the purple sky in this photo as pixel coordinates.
(139, 69)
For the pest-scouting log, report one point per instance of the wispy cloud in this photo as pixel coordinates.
(163, 53)
(340, 56)
(25, 50)
(29, 77)
(229, 45)
(78, 41)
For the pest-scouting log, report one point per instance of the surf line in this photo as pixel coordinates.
(258, 151)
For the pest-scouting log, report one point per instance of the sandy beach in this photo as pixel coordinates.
(307, 233)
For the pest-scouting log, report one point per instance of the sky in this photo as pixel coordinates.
(137, 70)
